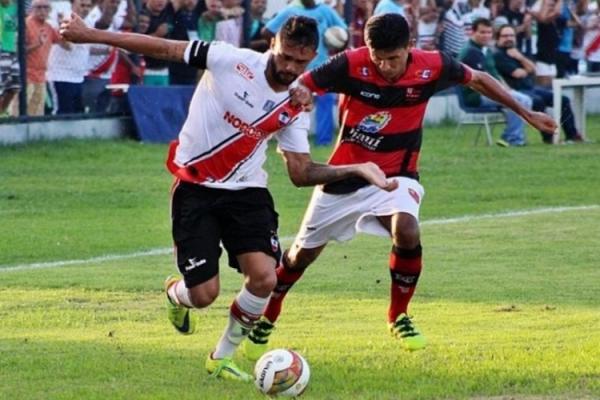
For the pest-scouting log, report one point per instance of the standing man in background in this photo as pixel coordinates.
(326, 17)
(67, 68)
(39, 38)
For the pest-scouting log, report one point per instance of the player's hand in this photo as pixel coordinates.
(300, 96)
(542, 122)
(74, 29)
(374, 175)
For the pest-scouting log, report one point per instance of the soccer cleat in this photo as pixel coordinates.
(409, 336)
(225, 368)
(178, 315)
(257, 342)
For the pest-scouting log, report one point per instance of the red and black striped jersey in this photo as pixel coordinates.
(381, 121)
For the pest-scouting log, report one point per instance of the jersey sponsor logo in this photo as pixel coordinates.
(244, 127)
(370, 95)
(413, 193)
(413, 93)
(373, 123)
(244, 97)
(365, 140)
(194, 263)
(269, 105)
(244, 71)
(424, 74)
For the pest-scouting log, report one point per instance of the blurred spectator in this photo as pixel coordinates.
(39, 37)
(478, 56)
(518, 71)
(208, 21)
(519, 17)
(391, 7)
(230, 29)
(547, 13)
(362, 10)
(160, 17)
(67, 68)
(568, 20)
(427, 25)
(453, 36)
(9, 62)
(257, 11)
(185, 27)
(102, 58)
(476, 10)
(326, 17)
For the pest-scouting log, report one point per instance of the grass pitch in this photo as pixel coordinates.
(509, 297)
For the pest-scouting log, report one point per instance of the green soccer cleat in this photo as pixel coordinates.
(225, 368)
(178, 315)
(409, 336)
(257, 342)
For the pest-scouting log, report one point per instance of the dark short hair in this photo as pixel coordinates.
(501, 28)
(482, 22)
(387, 32)
(301, 31)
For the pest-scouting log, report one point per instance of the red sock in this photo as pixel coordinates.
(286, 278)
(405, 267)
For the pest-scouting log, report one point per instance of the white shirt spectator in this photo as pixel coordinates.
(230, 31)
(104, 64)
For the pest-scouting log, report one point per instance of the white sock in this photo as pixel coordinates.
(179, 294)
(244, 311)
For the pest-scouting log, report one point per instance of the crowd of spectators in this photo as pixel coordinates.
(553, 38)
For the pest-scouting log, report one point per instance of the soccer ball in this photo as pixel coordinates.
(336, 38)
(281, 372)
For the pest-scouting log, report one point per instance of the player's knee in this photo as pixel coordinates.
(263, 283)
(201, 299)
(408, 237)
(300, 260)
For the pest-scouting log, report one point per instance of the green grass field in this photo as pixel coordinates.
(509, 298)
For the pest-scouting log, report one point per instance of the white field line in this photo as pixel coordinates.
(164, 251)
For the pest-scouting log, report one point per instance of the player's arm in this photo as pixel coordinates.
(303, 171)
(75, 30)
(485, 84)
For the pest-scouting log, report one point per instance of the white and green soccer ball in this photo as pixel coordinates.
(281, 372)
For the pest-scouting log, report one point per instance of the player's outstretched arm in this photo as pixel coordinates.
(76, 31)
(303, 171)
(485, 84)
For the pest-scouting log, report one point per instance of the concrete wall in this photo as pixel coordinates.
(105, 128)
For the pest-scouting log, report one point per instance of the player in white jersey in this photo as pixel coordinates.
(220, 193)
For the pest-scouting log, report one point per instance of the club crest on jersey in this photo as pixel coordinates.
(274, 243)
(413, 193)
(244, 71)
(373, 123)
(364, 71)
(284, 118)
(269, 105)
(424, 74)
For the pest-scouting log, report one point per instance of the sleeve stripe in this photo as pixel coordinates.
(196, 54)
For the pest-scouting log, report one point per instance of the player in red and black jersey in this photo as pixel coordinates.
(384, 88)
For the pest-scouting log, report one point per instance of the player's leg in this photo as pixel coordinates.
(249, 224)
(259, 271)
(405, 268)
(196, 233)
(328, 217)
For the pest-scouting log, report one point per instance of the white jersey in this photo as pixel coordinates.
(232, 115)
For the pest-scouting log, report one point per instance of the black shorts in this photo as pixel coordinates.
(243, 220)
